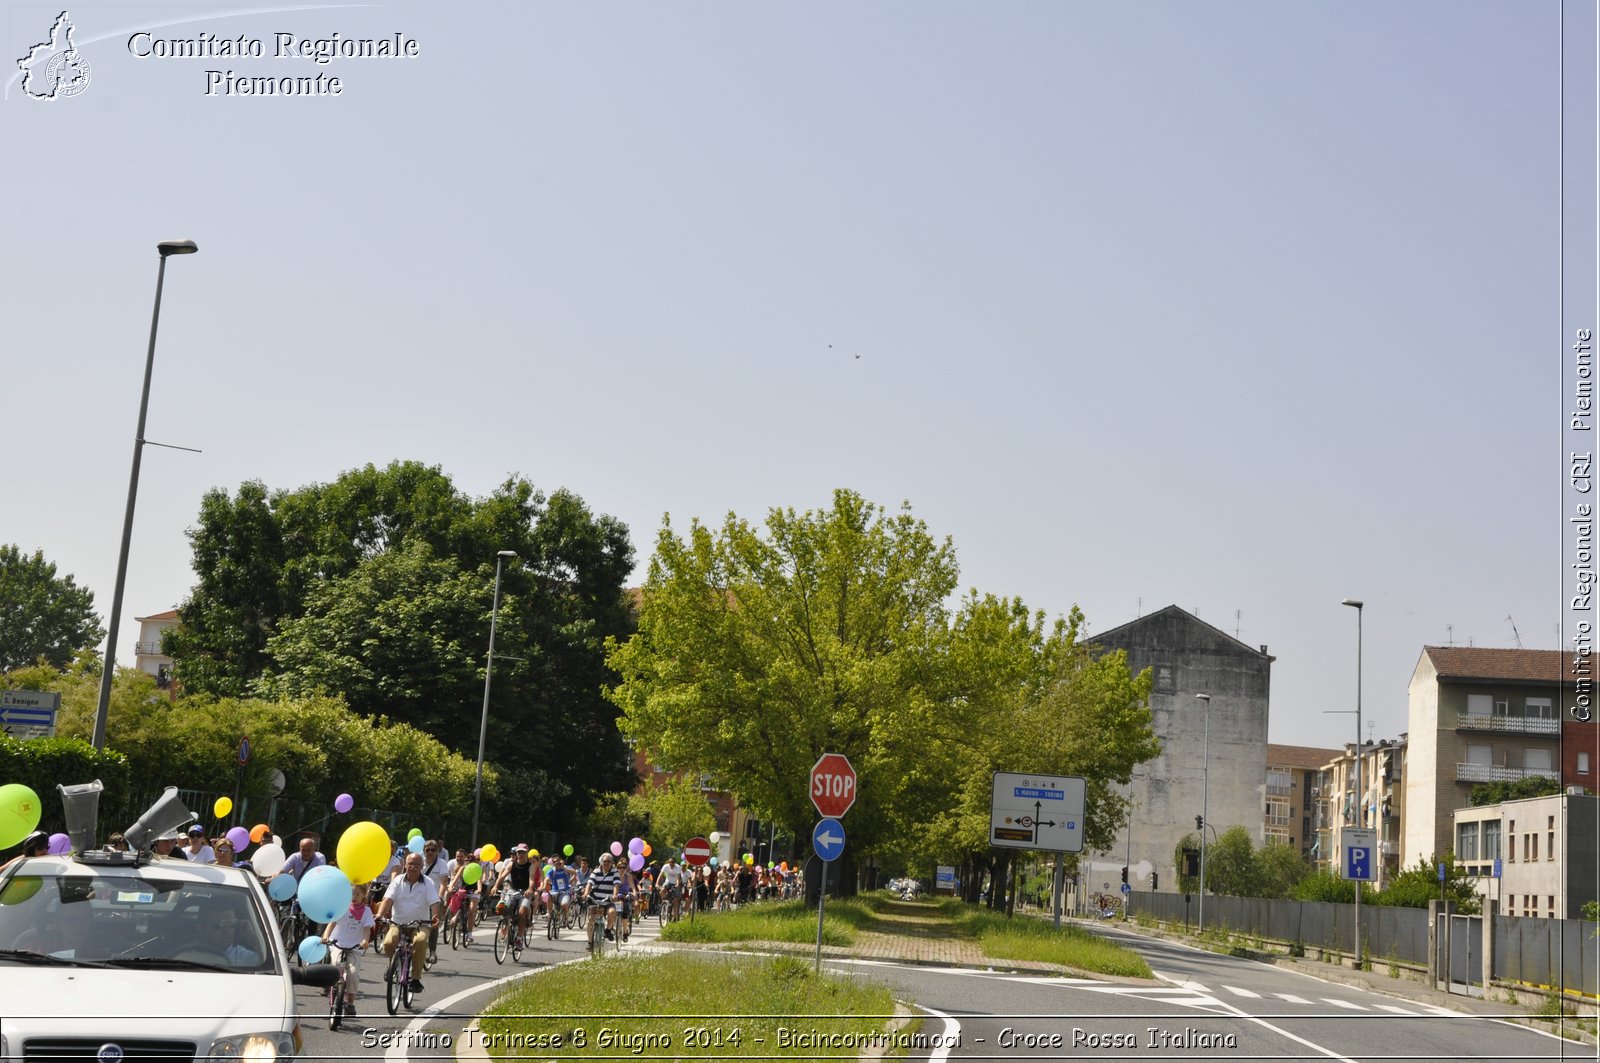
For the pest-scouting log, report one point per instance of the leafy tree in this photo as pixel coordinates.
(1415, 886)
(1492, 793)
(43, 616)
(1323, 885)
(1279, 869)
(1231, 864)
(678, 811)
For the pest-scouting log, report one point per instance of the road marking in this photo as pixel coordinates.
(1343, 1004)
(952, 1034)
(1241, 992)
(1395, 1010)
(1291, 998)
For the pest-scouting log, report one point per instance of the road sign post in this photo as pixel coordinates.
(827, 841)
(29, 713)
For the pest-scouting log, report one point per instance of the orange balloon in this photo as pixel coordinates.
(646, 849)
(259, 831)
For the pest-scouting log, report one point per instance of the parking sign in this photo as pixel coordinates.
(1360, 848)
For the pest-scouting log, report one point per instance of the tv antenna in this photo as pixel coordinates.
(1514, 632)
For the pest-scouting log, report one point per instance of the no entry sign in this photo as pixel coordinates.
(833, 785)
(696, 852)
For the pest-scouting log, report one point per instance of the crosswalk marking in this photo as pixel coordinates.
(1291, 998)
(1396, 1010)
(1241, 992)
(1336, 1002)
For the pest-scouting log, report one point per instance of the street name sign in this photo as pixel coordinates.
(833, 785)
(29, 713)
(1360, 849)
(1037, 812)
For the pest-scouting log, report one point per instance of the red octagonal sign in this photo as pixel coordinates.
(833, 785)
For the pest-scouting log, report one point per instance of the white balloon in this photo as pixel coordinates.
(268, 860)
(277, 841)
(716, 836)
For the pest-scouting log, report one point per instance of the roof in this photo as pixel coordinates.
(1175, 610)
(170, 614)
(1472, 662)
(1309, 757)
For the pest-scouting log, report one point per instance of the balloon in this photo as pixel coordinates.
(713, 861)
(414, 832)
(20, 889)
(748, 859)
(716, 836)
(239, 837)
(19, 813)
(415, 844)
(313, 949)
(259, 831)
(268, 860)
(277, 841)
(363, 853)
(343, 803)
(282, 888)
(490, 853)
(566, 850)
(636, 845)
(636, 862)
(646, 850)
(616, 848)
(222, 807)
(324, 894)
(472, 874)
(60, 845)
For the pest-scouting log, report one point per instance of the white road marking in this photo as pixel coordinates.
(1395, 1010)
(1336, 1002)
(1241, 992)
(952, 1034)
(1291, 998)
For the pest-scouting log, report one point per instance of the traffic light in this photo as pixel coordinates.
(1124, 875)
(1154, 884)
(1191, 862)
(1199, 823)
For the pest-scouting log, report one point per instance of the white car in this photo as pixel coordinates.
(111, 955)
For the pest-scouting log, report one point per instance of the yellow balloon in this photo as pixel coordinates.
(490, 853)
(363, 852)
(223, 806)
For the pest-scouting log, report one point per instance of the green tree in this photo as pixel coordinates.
(1492, 793)
(678, 811)
(1418, 884)
(43, 616)
(1279, 869)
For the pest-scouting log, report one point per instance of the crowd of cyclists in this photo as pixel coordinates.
(433, 894)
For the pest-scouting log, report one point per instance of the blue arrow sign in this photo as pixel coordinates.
(827, 838)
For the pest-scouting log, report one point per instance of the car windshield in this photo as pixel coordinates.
(130, 920)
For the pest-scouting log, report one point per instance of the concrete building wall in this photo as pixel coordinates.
(1422, 832)
(1187, 657)
(1549, 855)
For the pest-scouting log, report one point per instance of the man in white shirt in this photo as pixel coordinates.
(198, 851)
(411, 898)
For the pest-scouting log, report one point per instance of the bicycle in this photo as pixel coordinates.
(293, 927)
(558, 916)
(507, 936)
(597, 931)
(348, 978)
(455, 927)
(397, 979)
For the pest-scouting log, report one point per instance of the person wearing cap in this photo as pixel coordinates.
(199, 851)
(518, 883)
(35, 844)
(166, 847)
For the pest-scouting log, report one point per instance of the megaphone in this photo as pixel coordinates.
(167, 814)
(81, 804)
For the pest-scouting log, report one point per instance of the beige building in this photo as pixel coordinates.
(1292, 796)
(1476, 716)
(148, 653)
(1546, 847)
(1379, 804)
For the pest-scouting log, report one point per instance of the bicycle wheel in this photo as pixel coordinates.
(335, 1004)
(448, 931)
(406, 993)
(392, 989)
(502, 940)
(552, 926)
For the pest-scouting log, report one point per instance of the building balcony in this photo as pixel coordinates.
(1531, 725)
(1496, 773)
(148, 648)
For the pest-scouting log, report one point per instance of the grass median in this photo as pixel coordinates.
(687, 1005)
(788, 921)
(1027, 938)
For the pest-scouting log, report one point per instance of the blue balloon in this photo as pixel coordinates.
(313, 949)
(713, 861)
(416, 844)
(282, 888)
(324, 894)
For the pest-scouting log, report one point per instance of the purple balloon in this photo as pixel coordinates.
(616, 848)
(59, 844)
(636, 862)
(240, 838)
(343, 803)
(636, 845)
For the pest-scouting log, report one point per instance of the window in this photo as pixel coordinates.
(1166, 679)
(1533, 836)
(1540, 709)
(1536, 759)
(1502, 706)
(1552, 900)
(1491, 839)
(1583, 763)
(1511, 842)
(1466, 841)
(1479, 704)
(1483, 755)
(1550, 840)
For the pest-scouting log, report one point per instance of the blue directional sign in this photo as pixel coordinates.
(827, 838)
(1359, 846)
(1496, 867)
(1441, 872)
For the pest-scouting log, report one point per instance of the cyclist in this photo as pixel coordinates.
(518, 882)
(457, 893)
(351, 931)
(671, 887)
(601, 891)
(626, 892)
(436, 869)
(410, 899)
(559, 884)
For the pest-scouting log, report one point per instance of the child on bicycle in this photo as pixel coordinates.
(350, 932)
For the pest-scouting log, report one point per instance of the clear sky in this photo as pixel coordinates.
(1244, 306)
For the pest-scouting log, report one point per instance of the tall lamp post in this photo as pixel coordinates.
(1205, 808)
(488, 674)
(102, 711)
(1361, 796)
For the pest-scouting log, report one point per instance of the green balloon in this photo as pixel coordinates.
(415, 832)
(20, 810)
(472, 874)
(566, 850)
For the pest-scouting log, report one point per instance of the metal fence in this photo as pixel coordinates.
(1563, 952)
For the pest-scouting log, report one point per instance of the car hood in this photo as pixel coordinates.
(170, 1004)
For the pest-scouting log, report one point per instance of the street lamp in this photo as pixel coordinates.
(164, 248)
(1205, 808)
(488, 673)
(1361, 797)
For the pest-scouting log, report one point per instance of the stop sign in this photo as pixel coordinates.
(833, 785)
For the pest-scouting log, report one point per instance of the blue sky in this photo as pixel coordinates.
(1248, 307)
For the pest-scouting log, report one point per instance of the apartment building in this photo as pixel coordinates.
(148, 653)
(1292, 796)
(1546, 848)
(1378, 802)
(1477, 716)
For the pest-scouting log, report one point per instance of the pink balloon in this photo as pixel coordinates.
(240, 838)
(616, 848)
(636, 862)
(59, 844)
(343, 803)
